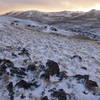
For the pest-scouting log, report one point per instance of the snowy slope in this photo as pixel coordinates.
(26, 46)
(84, 24)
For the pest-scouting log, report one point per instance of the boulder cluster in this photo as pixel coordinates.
(40, 72)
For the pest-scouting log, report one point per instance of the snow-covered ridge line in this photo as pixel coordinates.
(52, 15)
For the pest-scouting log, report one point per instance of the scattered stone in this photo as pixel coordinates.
(24, 52)
(35, 84)
(85, 92)
(53, 29)
(61, 95)
(49, 72)
(4, 64)
(33, 26)
(46, 76)
(97, 91)
(77, 57)
(23, 69)
(16, 21)
(52, 90)
(14, 55)
(32, 67)
(84, 68)
(29, 25)
(10, 89)
(91, 84)
(42, 67)
(22, 96)
(79, 77)
(62, 75)
(12, 23)
(24, 84)
(35, 62)
(25, 61)
(17, 71)
(45, 27)
(44, 98)
(53, 67)
(27, 85)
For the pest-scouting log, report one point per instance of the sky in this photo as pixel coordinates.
(48, 5)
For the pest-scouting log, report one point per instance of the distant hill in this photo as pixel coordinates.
(52, 17)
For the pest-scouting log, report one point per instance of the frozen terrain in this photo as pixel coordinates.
(41, 61)
(85, 24)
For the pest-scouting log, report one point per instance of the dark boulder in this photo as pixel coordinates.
(60, 94)
(12, 23)
(29, 25)
(42, 67)
(4, 64)
(45, 27)
(44, 98)
(22, 96)
(24, 84)
(53, 67)
(62, 75)
(27, 85)
(53, 29)
(91, 84)
(46, 76)
(17, 71)
(10, 90)
(81, 78)
(14, 55)
(23, 69)
(84, 68)
(32, 67)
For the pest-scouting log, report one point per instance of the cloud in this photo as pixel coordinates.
(48, 5)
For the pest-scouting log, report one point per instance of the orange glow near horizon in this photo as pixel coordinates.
(43, 9)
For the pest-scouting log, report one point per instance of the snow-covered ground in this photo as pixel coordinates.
(25, 43)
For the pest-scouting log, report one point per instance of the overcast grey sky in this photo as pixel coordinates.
(48, 5)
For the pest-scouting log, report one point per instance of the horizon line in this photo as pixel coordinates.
(51, 11)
